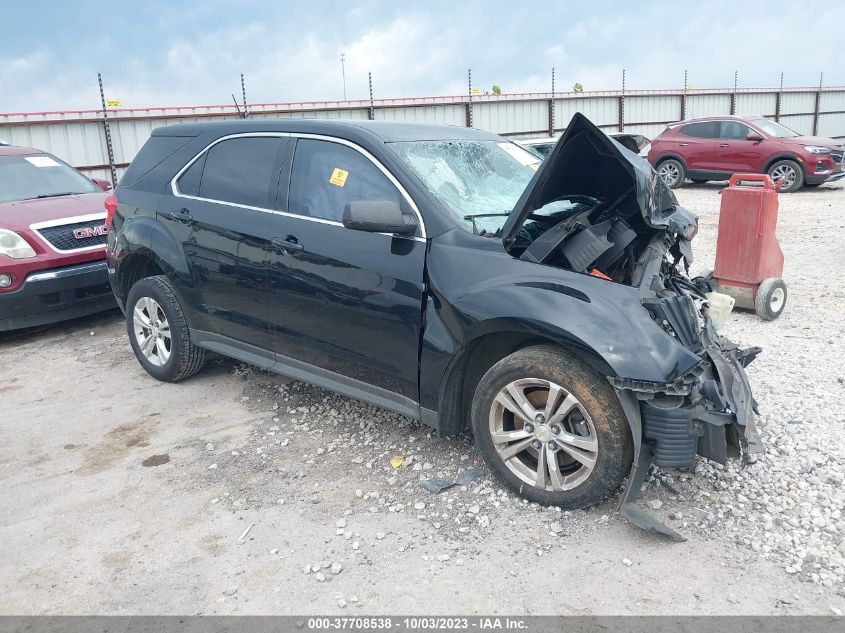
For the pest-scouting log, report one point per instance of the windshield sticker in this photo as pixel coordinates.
(523, 156)
(339, 177)
(41, 161)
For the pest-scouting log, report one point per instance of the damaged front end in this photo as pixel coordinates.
(595, 208)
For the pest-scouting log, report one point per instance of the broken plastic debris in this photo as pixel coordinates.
(396, 462)
(436, 486)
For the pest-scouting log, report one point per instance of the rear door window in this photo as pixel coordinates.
(238, 170)
(326, 176)
(704, 129)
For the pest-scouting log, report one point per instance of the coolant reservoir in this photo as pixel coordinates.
(719, 306)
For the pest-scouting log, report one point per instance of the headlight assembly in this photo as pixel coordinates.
(14, 245)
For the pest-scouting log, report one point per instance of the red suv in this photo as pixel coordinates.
(52, 241)
(713, 148)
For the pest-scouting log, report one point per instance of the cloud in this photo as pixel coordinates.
(156, 57)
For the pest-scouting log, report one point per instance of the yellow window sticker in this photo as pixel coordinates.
(339, 177)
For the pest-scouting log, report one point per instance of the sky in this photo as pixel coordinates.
(192, 52)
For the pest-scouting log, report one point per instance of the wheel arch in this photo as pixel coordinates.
(478, 356)
(785, 156)
(134, 267)
(137, 258)
(664, 157)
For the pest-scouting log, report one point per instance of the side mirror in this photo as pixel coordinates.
(753, 136)
(105, 185)
(378, 216)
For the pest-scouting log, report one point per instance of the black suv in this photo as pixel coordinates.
(442, 273)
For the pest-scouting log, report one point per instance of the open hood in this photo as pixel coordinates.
(587, 162)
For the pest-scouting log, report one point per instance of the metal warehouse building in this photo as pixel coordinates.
(79, 137)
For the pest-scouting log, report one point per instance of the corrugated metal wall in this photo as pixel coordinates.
(78, 137)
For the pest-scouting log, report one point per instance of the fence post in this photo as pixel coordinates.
(552, 106)
(469, 101)
(818, 106)
(622, 104)
(371, 112)
(777, 101)
(733, 94)
(107, 130)
(684, 99)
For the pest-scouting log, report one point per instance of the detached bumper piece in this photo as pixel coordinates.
(709, 412)
(49, 296)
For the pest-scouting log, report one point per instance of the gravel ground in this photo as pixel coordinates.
(242, 492)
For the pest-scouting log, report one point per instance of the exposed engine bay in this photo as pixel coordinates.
(598, 209)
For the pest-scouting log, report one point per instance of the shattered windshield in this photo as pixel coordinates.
(479, 182)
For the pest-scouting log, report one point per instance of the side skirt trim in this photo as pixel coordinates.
(298, 370)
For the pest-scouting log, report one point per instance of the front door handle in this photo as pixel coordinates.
(182, 215)
(724, 145)
(289, 244)
(683, 144)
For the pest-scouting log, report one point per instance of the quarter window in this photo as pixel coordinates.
(189, 182)
(705, 129)
(239, 170)
(327, 176)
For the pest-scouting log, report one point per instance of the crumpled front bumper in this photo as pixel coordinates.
(709, 412)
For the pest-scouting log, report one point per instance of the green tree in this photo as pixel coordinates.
(497, 90)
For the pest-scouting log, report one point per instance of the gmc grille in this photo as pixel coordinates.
(71, 237)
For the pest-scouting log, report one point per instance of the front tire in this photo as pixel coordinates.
(551, 429)
(789, 173)
(672, 172)
(159, 332)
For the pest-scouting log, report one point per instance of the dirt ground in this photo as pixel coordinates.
(239, 492)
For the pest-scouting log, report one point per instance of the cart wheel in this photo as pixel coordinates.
(770, 299)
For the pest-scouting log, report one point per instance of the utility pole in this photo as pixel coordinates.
(107, 130)
(243, 92)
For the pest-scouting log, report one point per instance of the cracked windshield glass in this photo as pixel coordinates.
(479, 182)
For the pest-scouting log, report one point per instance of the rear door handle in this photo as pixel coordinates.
(182, 215)
(724, 145)
(289, 244)
(683, 144)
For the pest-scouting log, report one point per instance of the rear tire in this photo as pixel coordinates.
(571, 452)
(158, 331)
(789, 172)
(770, 299)
(672, 172)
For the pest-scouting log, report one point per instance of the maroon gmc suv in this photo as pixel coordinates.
(52, 241)
(714, 148)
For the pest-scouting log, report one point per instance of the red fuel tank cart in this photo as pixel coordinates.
(749, 262)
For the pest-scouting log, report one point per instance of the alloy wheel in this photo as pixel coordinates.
(543, 434)
(152, 331)
(669, 173)
(786, 173)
